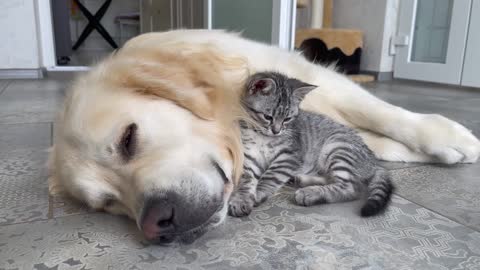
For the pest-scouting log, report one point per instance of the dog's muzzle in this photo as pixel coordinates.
(169, 216)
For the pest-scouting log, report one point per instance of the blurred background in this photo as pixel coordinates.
(426, 40)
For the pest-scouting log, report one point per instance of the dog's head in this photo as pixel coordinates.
(150, 133)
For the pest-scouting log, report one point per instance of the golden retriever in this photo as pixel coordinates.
(151, 131)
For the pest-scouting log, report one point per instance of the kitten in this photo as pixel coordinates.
(328, 161)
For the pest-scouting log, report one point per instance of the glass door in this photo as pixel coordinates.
(268, 21)
(431, 40)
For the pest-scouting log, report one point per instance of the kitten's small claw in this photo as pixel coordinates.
(241, 205)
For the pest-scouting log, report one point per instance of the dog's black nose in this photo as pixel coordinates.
(158, 218)
(168, 215)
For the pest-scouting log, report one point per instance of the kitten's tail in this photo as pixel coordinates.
(380, 189)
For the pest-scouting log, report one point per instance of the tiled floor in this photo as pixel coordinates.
(433, 223)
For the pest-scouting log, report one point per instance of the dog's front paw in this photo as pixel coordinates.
(447, 141)
(241, 204)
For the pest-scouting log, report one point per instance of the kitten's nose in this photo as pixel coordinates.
(276, 129)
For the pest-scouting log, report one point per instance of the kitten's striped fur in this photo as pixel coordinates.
(329, 162)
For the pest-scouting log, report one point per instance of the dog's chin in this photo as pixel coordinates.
(191, 235)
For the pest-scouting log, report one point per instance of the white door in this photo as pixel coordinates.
(268, 21)
(471, 67)
(431, 40)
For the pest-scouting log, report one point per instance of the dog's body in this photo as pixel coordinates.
(151, 132)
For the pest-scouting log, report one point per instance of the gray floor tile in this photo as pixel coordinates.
(26, 86)
(24, 136)
(31, 101)
(456, 103)
(23, 186)
(399, 165)
(411, 88)
(456, 110)
(450, 191)
(473, 125)
(38, 232)
(279, 235)
(3, 85)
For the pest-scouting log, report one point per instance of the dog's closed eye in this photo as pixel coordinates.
(128, 142)
(109, 202)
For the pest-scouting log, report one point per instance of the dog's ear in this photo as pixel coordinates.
(193, 79)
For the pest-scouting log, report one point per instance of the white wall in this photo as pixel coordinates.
(19, 46)
(378, 21)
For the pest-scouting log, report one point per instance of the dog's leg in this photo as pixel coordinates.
(387, 149)
(427, 137)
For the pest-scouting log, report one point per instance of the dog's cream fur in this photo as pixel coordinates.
(182, 88)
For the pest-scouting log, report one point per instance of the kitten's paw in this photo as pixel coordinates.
(308, 196)
(241, 204)
(261, 197)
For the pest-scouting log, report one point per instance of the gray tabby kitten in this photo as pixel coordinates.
(328, 161)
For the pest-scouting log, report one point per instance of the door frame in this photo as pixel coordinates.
(283, 23)
(45, 34)
(449, 72)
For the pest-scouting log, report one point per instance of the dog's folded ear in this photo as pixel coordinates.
(193, 78)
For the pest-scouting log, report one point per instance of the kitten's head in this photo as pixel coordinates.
(273, 100)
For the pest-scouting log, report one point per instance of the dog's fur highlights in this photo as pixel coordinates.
(180, 91)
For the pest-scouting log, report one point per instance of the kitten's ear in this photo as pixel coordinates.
(261, 85)
(302, 91)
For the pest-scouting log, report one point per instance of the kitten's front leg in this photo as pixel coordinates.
(243, 198)
(273, 179)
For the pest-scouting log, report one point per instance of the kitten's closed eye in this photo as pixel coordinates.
(267, 117)
(288, 119)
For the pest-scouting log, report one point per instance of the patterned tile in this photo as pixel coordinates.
(61, 206)
(31, 101)
(450, 191)
(279, 235)
(24, 136)
(23, 186)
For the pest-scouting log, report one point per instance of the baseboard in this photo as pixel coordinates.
(379, 76)
(68, 75)
(21, 73)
